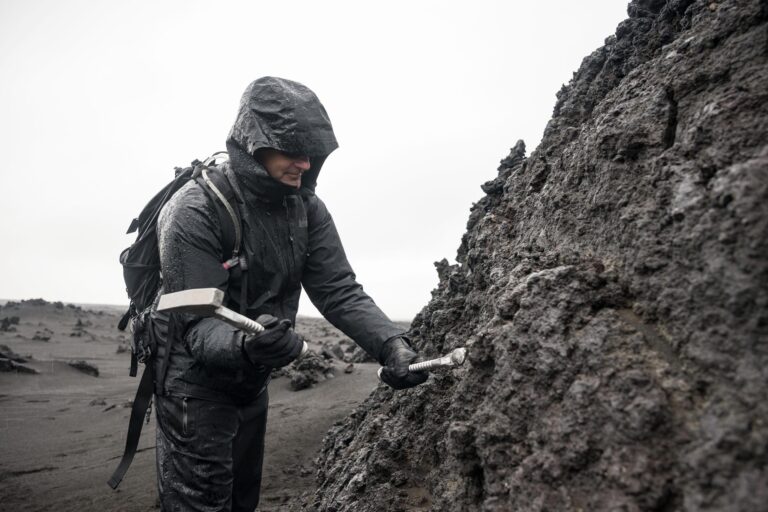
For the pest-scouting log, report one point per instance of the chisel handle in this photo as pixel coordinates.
(455, 358)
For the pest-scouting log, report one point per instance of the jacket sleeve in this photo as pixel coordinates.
(189, 238)
(331, 285)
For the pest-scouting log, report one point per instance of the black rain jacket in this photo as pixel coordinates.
(289, 239)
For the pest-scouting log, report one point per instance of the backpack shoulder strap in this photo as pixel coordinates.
(138, 411)
(223, 196)
(242, 260)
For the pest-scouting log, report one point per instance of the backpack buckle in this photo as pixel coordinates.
(231, 263)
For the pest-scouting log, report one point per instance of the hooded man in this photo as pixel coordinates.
(212, 397)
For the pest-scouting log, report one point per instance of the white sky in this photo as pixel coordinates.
(99, 100)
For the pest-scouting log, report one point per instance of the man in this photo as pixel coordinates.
(212, 399)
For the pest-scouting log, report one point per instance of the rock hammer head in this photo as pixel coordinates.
(458, 356)
(198, 301)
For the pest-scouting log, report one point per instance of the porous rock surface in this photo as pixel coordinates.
(612, 289)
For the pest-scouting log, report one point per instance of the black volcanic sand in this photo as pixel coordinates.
(612, 288)
(62, 430)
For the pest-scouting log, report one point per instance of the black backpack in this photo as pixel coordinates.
(141, 272)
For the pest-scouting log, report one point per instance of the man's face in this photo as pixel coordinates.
(286, 168)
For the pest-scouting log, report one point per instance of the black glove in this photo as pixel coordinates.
(396, 355)
(275, 346)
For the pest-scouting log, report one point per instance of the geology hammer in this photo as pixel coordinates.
(455, 358)
(208, 302)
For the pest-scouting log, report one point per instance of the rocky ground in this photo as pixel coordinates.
(612, 290)
(65, 396)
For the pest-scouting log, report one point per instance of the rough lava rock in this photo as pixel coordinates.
(7, 353)
(9, 365)
(308, 370)
(85, 367)
(612, 289)
(7, 324)
(44, 335)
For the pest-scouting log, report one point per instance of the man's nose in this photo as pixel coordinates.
(302, 162)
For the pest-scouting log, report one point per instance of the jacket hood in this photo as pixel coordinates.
(285, 115)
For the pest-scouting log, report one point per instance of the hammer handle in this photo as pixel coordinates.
(428, 365)
(243, 322)
(432, 364)
(237, 320)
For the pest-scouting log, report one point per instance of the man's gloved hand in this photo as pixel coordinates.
(275, 346)
(396, 355)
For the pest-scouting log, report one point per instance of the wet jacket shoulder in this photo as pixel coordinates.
(208, 359)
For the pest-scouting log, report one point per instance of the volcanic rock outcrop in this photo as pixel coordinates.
(612, 289)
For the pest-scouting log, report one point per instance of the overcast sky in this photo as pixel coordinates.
(99, 100)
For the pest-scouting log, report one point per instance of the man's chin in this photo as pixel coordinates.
(294, 183)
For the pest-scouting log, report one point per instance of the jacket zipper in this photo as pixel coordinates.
(290, 235)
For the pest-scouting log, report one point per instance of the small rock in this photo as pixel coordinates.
(82, 325)
(97, 402)
(85, 367)
(7, 353)
(307, 370)
(7, 324)
(6, 365)
(301, 381)
(337, 351)
(350, 368)
(44, 335)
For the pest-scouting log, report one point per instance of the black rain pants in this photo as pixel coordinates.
(209, 454)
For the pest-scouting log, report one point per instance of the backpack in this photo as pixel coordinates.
(141, 273)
